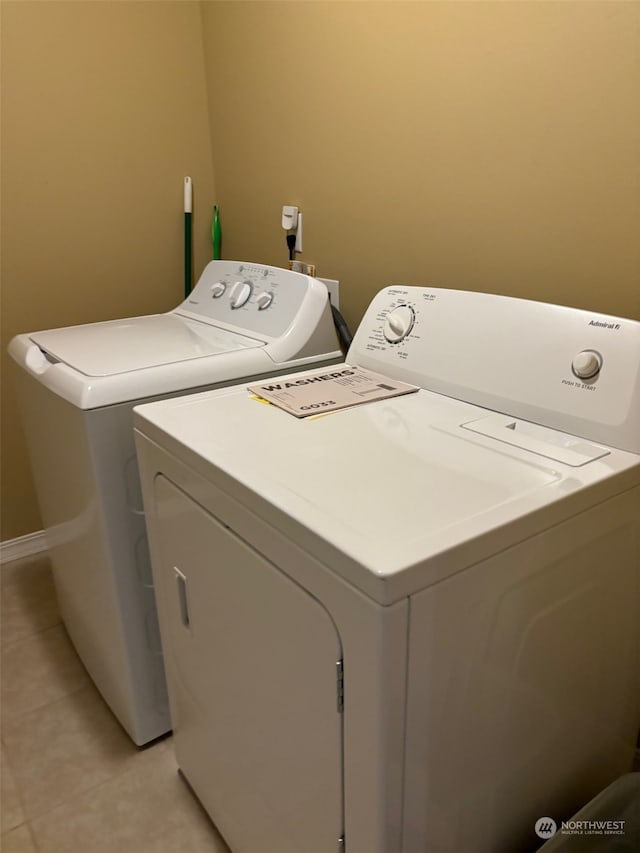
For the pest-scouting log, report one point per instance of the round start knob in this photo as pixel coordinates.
(398, 323)
(240, 293)
(586, 364)
(218, 289)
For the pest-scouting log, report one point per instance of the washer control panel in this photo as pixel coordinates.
(252, 298)
(565, 368)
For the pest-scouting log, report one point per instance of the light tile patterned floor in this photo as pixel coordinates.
(72, 780)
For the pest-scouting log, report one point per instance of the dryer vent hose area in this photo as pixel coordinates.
(341, 327)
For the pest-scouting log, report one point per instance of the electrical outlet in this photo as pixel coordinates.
(333, 287)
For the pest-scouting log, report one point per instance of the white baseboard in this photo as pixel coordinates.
(23, 546)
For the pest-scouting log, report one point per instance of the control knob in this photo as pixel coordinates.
(398, 323)
(586, 364)
(264, 299)
(240, 293)
(218, 289)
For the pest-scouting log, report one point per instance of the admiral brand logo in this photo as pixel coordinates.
(604, 325)
(307, 380)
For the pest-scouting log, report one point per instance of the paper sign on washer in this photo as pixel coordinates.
(328, 390)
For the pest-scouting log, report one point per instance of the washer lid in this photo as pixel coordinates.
(121, 346)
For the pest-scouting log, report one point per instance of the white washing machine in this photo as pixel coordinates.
(77, 390)
(409, 626)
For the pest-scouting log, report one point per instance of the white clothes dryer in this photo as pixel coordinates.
(409, 626)
(77, 389)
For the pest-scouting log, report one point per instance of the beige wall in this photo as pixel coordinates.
(103, 114)
(484, 146)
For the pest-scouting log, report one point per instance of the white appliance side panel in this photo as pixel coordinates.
(68, 494)
(126, 560)
(523, 684)
(251, 663)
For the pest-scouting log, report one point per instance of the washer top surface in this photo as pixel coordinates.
(120, 346)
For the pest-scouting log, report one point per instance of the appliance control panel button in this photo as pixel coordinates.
(398, 323)
(586, 364)
(263, 300)
(240, 293)
(218, 289)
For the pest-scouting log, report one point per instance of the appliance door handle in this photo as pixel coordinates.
(181, 581)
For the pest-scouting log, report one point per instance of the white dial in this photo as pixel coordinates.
(586, 364)
(264, 299)
(240, 293)
(398, 323)
(218, 289)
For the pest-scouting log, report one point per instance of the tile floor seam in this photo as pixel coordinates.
(11, 765)
(55, 701)
(54, 667)
(32, 836)
(27, 825)
(26, 637)
(12, 720)
(71, 796)
(69, 799)
(76, 794)
(16, 792)
(11, 645)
